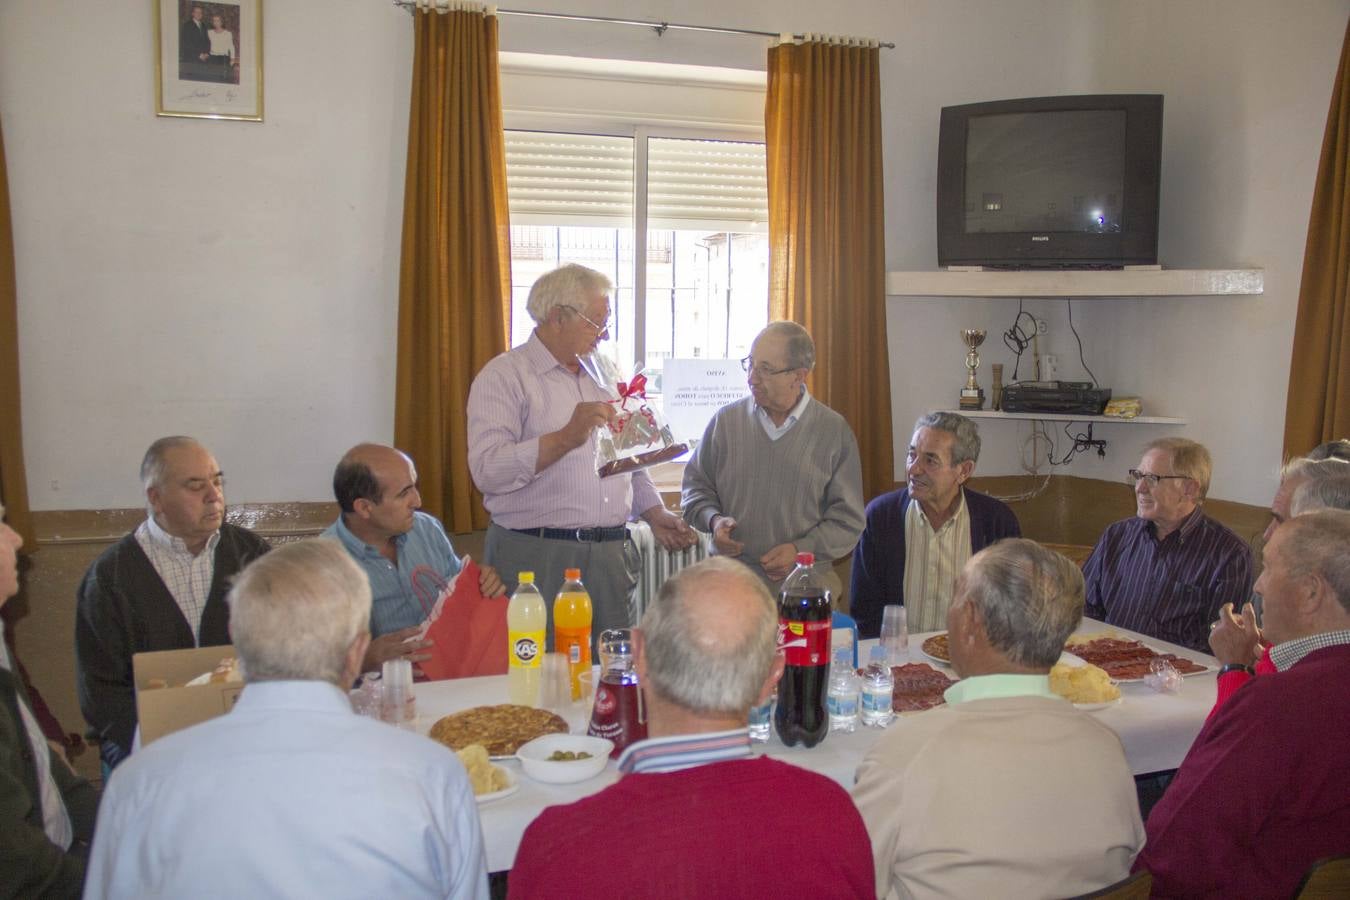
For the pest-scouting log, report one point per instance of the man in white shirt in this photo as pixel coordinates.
(162, 587)
(292, 793)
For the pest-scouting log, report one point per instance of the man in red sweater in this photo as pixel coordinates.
(1235, 639)
(1265, 789)
(696, 813)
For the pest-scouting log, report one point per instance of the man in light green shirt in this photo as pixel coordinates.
(1008, 790)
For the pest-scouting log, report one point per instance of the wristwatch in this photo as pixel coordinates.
(1235, 667)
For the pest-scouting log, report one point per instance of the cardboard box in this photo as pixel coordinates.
(164, 710)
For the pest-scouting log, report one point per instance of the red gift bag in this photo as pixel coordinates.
(468, 632)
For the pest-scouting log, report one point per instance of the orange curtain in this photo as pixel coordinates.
(13, 482)
(455, 277)
(1318, 407)
(822, 126)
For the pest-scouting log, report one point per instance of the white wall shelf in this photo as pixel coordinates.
(1071, 283)
(1060, 417)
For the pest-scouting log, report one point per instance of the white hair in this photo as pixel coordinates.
(1030, 597)
(295, 611)
(571, 286)
(702, 669)
(966, 433)
(1315, 544)
(1322, 493)
(154, 463)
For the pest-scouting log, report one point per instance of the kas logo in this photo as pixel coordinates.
(526, 649)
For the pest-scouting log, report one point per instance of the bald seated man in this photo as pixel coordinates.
(692, 800)
(404, 552)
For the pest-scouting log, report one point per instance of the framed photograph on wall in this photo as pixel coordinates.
(209, 63)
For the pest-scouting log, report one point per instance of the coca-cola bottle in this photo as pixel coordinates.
(804, 640)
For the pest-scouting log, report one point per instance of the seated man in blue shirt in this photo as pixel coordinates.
(1167, 571)
(405, 553)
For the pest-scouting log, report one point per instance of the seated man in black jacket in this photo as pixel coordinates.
(46, 812)
(162, 587)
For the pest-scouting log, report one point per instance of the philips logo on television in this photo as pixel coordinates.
(1040, 238)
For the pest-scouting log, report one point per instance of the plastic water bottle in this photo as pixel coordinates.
(526, 622)
(842, 700)
(761, 720)
(878, 686)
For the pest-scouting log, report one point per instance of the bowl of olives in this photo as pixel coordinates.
(564, 758)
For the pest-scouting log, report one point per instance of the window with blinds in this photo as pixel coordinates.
(679, 222)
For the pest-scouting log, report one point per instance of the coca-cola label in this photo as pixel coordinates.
(804, 643)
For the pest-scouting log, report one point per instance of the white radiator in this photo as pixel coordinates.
(658, 563)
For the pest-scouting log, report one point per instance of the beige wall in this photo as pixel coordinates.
(238, 281)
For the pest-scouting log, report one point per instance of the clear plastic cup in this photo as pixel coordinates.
(398, 705)
(587, 681)
(556, 688)
(895, 633)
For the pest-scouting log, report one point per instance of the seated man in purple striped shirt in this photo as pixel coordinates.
(1167, 572)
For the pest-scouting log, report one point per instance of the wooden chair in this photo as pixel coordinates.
(1133, 887)
(1327, 879)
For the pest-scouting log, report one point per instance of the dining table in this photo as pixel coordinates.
(1156, 729)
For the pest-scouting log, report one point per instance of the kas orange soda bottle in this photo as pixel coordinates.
(572, 627)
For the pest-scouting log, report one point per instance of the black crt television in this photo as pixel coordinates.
(1050, 182)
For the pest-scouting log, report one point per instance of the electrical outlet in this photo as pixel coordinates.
(1049, 367)
(1041, 326)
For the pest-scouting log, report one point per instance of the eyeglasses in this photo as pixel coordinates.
(601, 329)
(763, 371)
(1134, 476)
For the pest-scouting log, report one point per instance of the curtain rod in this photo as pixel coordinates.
(659, 27)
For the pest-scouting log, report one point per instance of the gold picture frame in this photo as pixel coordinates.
(208, 59)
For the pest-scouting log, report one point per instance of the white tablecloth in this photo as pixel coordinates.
(1155, 729)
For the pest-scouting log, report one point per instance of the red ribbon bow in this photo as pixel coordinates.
(635, 388)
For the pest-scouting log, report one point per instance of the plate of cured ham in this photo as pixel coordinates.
(918, 686)
(1127, 660)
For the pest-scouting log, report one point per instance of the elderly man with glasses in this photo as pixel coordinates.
(777, 473)
(532, 417)
(1168, 571)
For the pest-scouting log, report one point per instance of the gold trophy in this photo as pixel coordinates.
(972, 395)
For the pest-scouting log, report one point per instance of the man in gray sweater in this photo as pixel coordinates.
(776, 473)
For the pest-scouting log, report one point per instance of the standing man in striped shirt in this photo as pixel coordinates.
(1167, 571)
(162, 587)
(912, 552)
(777, 473)
(532, 419)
